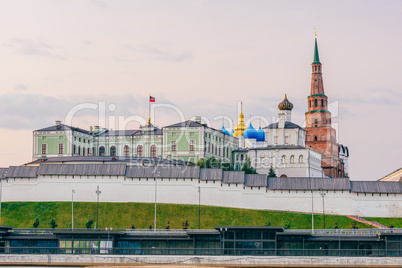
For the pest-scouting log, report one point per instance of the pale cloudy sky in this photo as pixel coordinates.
(203, 57)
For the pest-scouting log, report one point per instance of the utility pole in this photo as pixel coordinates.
(199, 207)
(97, 206)
(72, 209)
(323, 207)
(312, 194)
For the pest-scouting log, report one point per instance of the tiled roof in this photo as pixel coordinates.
(287, 125)
(63, 127)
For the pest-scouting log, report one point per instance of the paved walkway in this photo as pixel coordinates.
(371, 223)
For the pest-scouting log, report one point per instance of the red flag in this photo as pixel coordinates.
(151, 99)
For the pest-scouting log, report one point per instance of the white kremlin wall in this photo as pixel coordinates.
(185, 191)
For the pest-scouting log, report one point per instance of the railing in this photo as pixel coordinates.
(346, 232)
(207, 251)
(126, 231)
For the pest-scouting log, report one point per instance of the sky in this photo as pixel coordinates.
(66, 59)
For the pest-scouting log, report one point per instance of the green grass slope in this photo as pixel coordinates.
(123, 215)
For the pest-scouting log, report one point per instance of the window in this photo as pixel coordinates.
(276, 140)
(315, 103)
(153, 150)
(89, 151)
(113, 151)
(286, 139)
(83, 151)
(74, 149)
(292, 159)
(126, 150)
(283, 159)
(192, 145)
(101, 151)
(315, 138)
(241, 157)
(139, 150)
(309, 103)
(301, 159)
(61, 148)
(322, 103)
(173, 145)
(44, 148)
(79, 150)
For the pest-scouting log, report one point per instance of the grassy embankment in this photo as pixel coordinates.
(123, 215)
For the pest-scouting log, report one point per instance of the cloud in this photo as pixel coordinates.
(33, 48)
(161, 52)
(21, 87)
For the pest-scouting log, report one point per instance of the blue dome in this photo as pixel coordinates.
(232, 132)
(225, 131)
(260, 134)
(250, 133)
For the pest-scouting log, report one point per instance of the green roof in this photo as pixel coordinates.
(316, 57)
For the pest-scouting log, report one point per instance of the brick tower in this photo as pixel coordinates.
(320, 134)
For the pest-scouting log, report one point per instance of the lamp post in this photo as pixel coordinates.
(108, 240)
(199, 207)
(156, 187)
(323, 210)
(97, 206)
(312, 194)
(72, 209)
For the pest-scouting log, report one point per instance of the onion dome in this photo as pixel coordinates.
(261, 134)
(285, 104)
(241, 127)
(250, 133)
(225, 131)
(232, 132)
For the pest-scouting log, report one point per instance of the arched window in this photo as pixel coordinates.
(101, 151)
(153, 150)
(74, 149)
(283, 159)
(113, 151)
(315, 103)
(79, 150)
(126, 150)
(292, 159)
(93, 151)
(83, 151)
(301, 159)
(309, 103)
(315, 138)
(322, 103)
(283, 176)
(241, 157)
(139, 150)
(89, 151)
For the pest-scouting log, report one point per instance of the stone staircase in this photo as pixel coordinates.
(371, 223)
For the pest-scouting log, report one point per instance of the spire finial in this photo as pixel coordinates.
(223, 121)
(316, 57)
(315, 32)
(241, 106)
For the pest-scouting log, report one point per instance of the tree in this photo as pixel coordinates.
(53, 224)
(226, 166)
(247, 168)
(201, 163)
(89, 223)
(36, 223)
(271, 173)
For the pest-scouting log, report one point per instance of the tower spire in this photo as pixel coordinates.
(316, 56)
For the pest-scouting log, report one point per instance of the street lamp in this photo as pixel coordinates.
(156, 185)
(97, 206)
(108, 240)
(72, 209)
(323, 210)
(199, 207)
(312, 194)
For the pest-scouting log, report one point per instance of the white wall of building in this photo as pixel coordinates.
(121, 189)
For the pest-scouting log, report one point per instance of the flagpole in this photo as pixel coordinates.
(149, 112)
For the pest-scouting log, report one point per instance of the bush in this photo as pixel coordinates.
(36, 223)
(53, 224)
(89, 224)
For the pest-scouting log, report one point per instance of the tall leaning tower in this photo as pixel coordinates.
(320, 134)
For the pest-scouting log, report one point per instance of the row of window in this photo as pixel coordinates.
(173, 146)
(316, 103)
(292, 159)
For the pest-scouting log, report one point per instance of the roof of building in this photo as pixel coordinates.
(316, 56)
(287, 125)
(21, 172)
(256, 180)
(393, 176)
(211, 174)
(308, 183)
(233, 177)
(376, 187)
(63, 127)
(3, 172)
(250, 132)
(273, 147)
(285, 104)
(163, 172)
(188, 123)
(83, 169)
(144, 161)
(111, 133)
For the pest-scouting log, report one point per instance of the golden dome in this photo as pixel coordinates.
(285, 104)
(241, 127)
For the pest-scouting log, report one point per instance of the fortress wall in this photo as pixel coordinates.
(121, 189)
